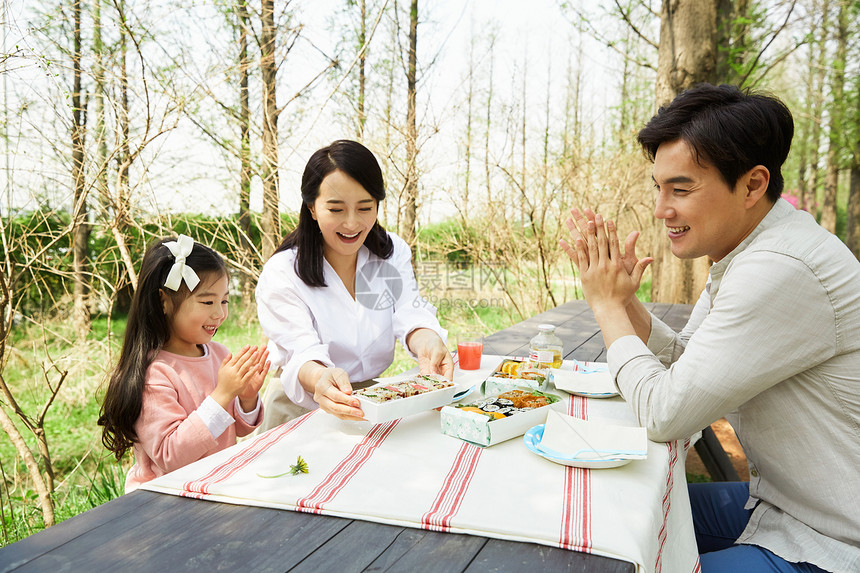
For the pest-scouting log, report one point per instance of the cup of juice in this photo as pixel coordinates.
(470, 346)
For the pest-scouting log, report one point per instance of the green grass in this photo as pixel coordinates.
(81, 465)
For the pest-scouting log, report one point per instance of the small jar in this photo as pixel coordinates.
(546, 349)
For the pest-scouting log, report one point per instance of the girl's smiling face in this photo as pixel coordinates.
(345, 212)
(196, 319)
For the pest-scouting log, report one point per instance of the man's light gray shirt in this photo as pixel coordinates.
(773, 344)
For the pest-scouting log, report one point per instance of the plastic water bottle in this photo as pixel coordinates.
(546, 349)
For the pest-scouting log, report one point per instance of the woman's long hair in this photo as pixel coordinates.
(147, 331)
(358, 162)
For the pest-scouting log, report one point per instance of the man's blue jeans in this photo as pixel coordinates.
(719, 518)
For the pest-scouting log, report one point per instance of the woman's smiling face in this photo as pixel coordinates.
(345, 212)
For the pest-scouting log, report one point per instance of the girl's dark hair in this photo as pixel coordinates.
(732, 129)
(358, 162)
(147, 330)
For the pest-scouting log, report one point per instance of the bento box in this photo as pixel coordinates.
(388, 401)
(515, 373)
(493, 419)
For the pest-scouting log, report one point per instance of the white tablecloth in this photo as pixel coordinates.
(407, 473)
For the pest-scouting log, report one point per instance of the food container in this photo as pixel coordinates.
(514, 373)
(379, 412)
(480, 429)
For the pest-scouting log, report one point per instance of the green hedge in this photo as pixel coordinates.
(44, 284)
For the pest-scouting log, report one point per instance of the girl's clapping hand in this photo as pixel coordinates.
(254, 380)
(238, 374)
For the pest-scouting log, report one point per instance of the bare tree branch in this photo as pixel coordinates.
(773, 36)
(588, 27)
(626, 17)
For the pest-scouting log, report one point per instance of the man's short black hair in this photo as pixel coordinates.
(731, 129)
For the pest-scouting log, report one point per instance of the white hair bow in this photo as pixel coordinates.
(181, 249)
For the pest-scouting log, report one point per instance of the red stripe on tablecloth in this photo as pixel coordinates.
(337, 479)
(576, 517)
(697, 568)
(450, 496)
(241, 459)
(667, 503)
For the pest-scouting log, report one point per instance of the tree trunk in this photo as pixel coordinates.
(362, 62)
(410, 207)
(570, 141)
(852, 225)
(547, 128)
(122, 205)
(42, 491)
(837, 110)
(101, 159)
(468, 151)
(725, 19)
(491, 205)
(246, 247)
(42, 484)
(831, 186)
(740, 38)
(270, 223)
(123, 156)
(818, 108)
(389, 123)
(524, 208)
(623, 136)
(540, 232)
(687, 55)
(805, 121)
(80, 226)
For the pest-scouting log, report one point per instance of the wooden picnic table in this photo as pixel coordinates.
(148, 531)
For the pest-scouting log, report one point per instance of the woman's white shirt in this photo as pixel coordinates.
(327, 325)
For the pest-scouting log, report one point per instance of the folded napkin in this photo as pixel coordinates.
(566, 437)
(593, 380)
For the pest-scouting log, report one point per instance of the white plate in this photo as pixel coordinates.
(592, 394)
(533, 437)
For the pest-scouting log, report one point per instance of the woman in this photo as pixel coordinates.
(339, 290)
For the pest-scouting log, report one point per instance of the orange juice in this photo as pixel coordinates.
(469, 355)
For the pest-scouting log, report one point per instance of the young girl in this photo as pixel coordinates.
(176, 396)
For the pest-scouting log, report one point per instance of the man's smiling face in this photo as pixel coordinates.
(702, 214)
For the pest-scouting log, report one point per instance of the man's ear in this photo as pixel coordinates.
(755, 183)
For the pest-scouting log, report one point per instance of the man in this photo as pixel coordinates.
(773, 343)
